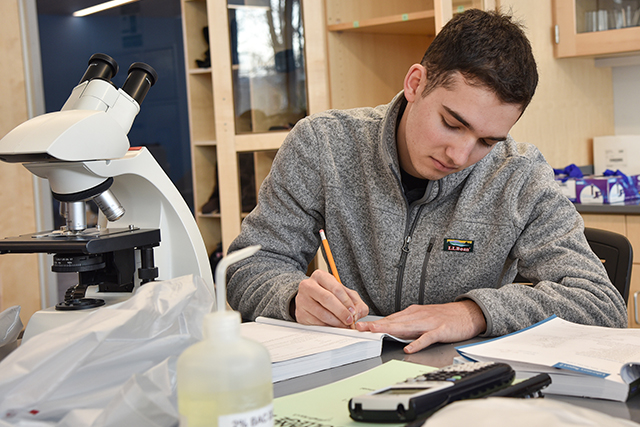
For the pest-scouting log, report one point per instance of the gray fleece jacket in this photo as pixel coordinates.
(464, 239)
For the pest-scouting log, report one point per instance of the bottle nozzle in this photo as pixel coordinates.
(221, 273)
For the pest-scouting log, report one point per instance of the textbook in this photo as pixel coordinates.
(298, 350)
(582, 360)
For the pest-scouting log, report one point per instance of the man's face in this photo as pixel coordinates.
(449, 129)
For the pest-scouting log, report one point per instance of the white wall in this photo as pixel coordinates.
(574, 99)
(626, 99)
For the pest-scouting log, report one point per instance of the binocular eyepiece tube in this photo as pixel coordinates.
(139, 80)
(101, 66)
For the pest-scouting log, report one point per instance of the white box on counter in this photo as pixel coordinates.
(617, 152)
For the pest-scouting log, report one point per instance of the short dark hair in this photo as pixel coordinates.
(489, 49)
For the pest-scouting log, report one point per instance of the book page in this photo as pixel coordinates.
(285, 343)
(333, 330)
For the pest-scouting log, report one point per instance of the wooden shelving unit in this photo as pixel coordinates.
(356, 54)
(215, 144)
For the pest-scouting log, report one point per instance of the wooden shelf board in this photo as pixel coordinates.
(199, 71)
(260, 141)
(209, 215)
(207, 143)
(422, 23)
(217, 215)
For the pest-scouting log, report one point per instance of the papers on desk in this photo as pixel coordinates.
(297, 349)
(327, 406)
(585, 361)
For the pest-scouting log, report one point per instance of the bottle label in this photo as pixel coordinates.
(262, 417)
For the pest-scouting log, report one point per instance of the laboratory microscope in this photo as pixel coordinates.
(84, 153)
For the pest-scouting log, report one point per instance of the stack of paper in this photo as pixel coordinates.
(586, 361)
(297, 349)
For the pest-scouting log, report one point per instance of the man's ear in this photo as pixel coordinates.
(416, 75)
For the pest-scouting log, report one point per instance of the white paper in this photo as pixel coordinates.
(591, 350)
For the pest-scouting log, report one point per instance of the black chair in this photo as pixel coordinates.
(615, 252)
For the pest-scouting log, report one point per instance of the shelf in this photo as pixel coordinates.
(260, 141)
(418, 23)
(217, 215)
(199, 71)
(209, 215)
(205, 143)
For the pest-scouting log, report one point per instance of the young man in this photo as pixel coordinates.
(429, 206)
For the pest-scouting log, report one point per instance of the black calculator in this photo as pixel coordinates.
(420, 396)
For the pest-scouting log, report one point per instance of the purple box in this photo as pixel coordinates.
(598, 190)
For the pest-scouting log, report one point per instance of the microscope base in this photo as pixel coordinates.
(50, 318)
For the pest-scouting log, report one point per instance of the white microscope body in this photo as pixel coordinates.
(84, 153)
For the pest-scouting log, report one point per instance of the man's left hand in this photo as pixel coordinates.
(429, 324)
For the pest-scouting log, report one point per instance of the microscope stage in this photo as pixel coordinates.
(90, 241)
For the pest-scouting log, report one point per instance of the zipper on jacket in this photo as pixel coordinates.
(403, 259)
(424, 271)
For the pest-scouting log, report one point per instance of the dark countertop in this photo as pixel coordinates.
(632, 207)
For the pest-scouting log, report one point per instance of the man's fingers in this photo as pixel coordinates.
(424, 341)
(338, 290)
(315, 299)
(361, 309)
(324, 318)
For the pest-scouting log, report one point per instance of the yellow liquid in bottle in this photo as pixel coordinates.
(203, 409)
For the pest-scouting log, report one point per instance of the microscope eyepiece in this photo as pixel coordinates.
(100, 66)
(140, 79)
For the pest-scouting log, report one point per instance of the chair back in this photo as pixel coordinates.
(616, 253)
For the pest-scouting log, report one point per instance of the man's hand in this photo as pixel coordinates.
(322, 300)
(429, 324)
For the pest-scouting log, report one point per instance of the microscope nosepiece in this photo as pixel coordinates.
(109, 205)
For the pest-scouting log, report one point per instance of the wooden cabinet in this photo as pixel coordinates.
(628, 225)
(356, 53)
(596, 28)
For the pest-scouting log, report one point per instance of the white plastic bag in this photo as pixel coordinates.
(113, 354)
(10, 327)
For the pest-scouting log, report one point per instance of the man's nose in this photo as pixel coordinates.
(460, 150)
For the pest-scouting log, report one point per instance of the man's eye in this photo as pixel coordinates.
(444, 122)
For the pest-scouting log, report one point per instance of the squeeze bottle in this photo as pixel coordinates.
(225, 379)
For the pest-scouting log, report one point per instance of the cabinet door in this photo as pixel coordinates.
(595, 27)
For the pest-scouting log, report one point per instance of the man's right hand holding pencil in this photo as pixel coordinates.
(323, 300)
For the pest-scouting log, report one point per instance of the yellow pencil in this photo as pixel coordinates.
(327, 251)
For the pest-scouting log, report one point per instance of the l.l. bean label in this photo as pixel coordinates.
(262, 417)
